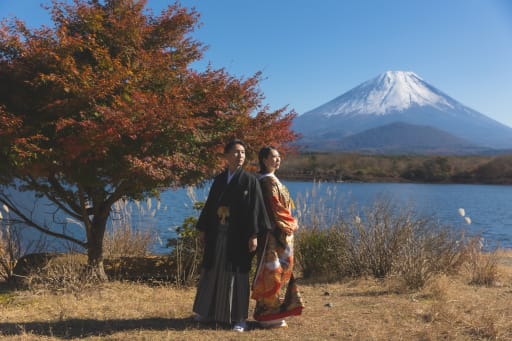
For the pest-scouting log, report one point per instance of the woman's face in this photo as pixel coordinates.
(272, 161)
(235, 157)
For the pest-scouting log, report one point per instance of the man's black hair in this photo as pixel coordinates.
(232, 143)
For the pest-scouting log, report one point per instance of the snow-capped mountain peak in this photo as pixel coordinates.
(398, 96)
(389, 92)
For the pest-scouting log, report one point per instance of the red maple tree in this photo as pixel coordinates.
(105, 105)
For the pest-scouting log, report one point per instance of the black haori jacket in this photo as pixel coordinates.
(247, 217)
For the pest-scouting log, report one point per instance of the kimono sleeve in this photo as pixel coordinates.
(278, 209)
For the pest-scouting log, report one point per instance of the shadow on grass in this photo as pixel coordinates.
(78, 328)
(371, 293)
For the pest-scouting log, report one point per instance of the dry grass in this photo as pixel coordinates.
(447, 308)
(387, 242)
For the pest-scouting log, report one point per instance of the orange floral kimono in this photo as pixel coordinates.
(274, 287)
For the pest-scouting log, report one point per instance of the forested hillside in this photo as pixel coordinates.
(396, 168)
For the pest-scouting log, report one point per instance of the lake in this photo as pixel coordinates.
(487, 206)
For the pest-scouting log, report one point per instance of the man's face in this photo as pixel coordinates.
(235, 157)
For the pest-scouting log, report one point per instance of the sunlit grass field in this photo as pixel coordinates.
(447, 308)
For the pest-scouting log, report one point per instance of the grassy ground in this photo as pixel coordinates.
(363, 309)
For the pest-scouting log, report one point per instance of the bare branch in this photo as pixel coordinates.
(29, 222)
(66, 196)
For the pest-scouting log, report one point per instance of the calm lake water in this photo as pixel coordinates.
(488, 206)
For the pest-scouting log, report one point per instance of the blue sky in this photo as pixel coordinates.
(311, 51)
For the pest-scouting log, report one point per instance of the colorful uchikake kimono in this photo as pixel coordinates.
(274, 287)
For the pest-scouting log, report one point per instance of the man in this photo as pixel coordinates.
(230, 222)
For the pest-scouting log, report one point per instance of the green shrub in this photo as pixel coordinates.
(187, 251)
(313, 253)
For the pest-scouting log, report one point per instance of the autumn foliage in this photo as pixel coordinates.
(105, 104)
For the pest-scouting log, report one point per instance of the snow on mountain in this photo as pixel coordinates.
(400, 96)
(390, 91)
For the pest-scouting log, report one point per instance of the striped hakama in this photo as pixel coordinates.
(222, 295)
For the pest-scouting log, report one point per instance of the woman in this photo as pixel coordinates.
(274, 287)
(233, 216)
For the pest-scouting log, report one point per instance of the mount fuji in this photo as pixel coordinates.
(399, 112)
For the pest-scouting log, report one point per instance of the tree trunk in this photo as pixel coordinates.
(95, 248)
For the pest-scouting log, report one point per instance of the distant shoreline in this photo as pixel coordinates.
(431, 169)
(382, 180)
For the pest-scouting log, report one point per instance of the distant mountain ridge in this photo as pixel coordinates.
(399, 138)
(398, 96)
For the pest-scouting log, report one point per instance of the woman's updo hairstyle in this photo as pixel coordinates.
(262, 155)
